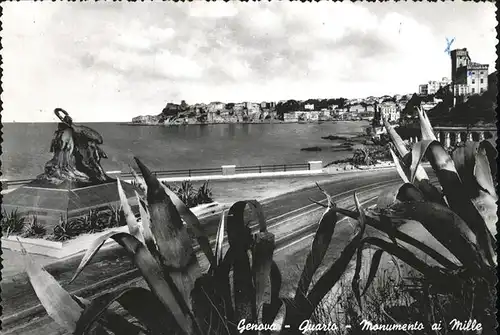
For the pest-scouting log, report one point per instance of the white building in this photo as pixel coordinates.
(309, 107)
(390, 111)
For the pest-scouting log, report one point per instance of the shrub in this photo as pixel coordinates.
(12, 223)
(185, 191)
(34, 228)
(204, 194)
(363, 156)
(96, 221)
(191, 198)
(67, 229)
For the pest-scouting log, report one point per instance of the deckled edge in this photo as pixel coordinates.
(1, 142)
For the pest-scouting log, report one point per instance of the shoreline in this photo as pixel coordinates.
(245, 122)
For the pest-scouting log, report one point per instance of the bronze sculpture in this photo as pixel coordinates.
(77, 155)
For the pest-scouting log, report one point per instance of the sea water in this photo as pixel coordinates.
(26, 145)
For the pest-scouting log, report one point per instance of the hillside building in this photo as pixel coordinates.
(388, 110)
(433, 86)
(467, 77)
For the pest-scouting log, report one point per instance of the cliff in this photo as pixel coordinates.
(215, 112)
(146, 119)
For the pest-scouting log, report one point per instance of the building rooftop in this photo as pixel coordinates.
(477, 65)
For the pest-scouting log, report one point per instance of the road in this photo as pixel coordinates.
(291, 217)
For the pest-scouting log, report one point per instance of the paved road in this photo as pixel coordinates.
(285, 214)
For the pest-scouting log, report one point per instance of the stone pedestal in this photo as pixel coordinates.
(49, 204)
(228, 170)
(315, 165)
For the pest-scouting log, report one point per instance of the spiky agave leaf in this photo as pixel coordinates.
(482, 173)
(258, 212)
(398, 143)
(269, 311)
(109, 321)
(209, 306)
(464, 159)
(160, 284)
(92, 251)
(138, 302)
(219, 241)
(401, 234)
(441, 279)
(328, 280)
(329, 198)
(425, 126)
(58, 303)
(133, 226)
(192, 221)
(139, 180)
(262, 258)
(362, 222)
(375, 262)
(149, 238)
(452, 232)
(171, 236)
(456, 194)
(486, 199)
(388, 197)
(320, 244)
(428, 248)
(402, 170)
(240, 241)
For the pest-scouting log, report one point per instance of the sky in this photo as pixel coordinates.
(111, 61)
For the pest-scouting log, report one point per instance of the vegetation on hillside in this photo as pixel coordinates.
(478, 109)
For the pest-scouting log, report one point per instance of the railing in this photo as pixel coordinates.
(194, 172)
(178, 173)
(272, 168)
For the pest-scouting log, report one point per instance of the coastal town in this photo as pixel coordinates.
(468, 79)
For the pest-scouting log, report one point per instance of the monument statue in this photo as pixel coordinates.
(77, 155)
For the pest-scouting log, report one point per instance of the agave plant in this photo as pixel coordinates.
(445, 233)
(204, 194)
(13, 222)
(33, 228)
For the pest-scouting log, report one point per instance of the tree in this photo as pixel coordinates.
(184, 105)
(288, 106)
(410, 110)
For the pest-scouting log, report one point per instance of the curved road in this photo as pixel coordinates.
(291, 217)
